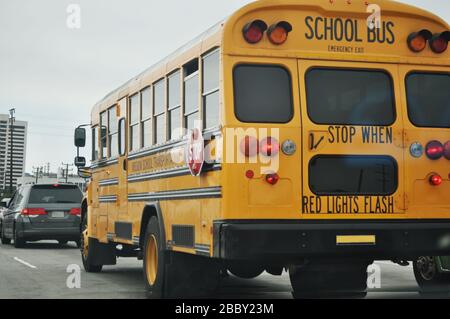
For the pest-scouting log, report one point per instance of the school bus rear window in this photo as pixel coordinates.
(429, 99)
(354, 97)
(353, 175)
(262, 94)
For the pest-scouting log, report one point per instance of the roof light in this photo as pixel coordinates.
(417, 41)
(254, 31)
(439, 42)
(278, 32)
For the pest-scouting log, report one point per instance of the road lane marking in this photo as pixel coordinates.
(24, 263)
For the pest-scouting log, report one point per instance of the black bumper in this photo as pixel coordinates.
(70, 234)
(288, 241)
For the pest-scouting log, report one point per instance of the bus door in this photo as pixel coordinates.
(352, 140)
(123, 226)
(425, 97)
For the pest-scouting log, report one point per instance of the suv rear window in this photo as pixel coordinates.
(55, 194)
(429, 99)
(262, 94)
(350, 97)
(353, 175)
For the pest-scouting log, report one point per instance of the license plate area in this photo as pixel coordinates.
(57, 214)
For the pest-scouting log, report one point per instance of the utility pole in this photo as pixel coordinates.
(11, 135)
(66, 170)
(37, 172)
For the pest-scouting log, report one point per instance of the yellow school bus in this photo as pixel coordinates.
(311, 136)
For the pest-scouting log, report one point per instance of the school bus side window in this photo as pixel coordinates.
(146, 117)
(103, 134)
(174, 103)
(210, 89)
(262, 94)
(113, 132)
(350, 97)
(191, 94)
(95, 153)
(134, 118)
(159, 114)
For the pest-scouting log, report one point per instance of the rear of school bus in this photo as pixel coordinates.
(345, 133)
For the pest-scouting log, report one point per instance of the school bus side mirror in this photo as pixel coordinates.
(80, 137)
(80, 162)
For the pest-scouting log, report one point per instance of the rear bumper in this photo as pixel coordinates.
(292, 240)
(66, 233)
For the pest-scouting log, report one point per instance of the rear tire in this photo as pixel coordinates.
(331, 279)
(428, 276)
(18, 242)
(84, 248)
(175, 275)
(5, 241)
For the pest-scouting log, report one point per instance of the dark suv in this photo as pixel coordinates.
(42, 212)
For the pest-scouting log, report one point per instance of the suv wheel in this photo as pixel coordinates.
(18, 242)
(5, 241)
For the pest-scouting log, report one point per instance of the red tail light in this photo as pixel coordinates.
(75, 211)
(434, 150)
(249, 146)
(435, 180)
(439, 42)
(254, 31)
(270, 146)
(278, 33)
(417, 41)
(272, 179)
(447, 150)
(33, 211)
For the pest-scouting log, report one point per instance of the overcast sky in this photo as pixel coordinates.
(53, 75)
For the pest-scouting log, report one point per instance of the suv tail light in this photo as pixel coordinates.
(434, 150)
(75, 211)
(33, 211)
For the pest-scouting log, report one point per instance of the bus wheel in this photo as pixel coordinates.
(154, 260)
(86, 256)
(428, 276)
(245, 270)
(329, 280)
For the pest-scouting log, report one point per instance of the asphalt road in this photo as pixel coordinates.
(41, 271)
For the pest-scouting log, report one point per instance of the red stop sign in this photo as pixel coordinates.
(195, 152)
